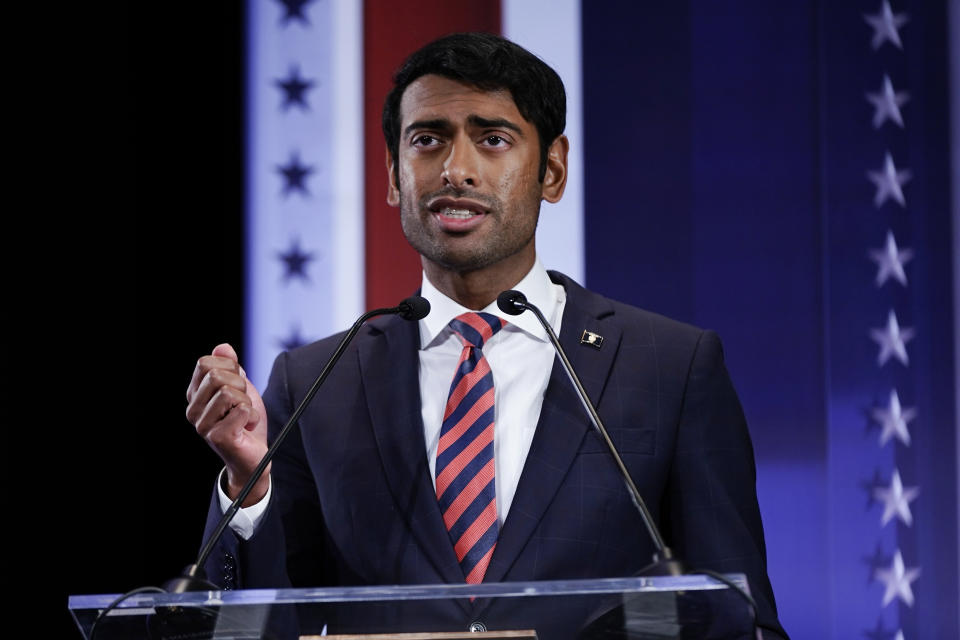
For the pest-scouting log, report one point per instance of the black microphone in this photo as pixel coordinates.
(414, 308)
(514, 303)
(193, 578)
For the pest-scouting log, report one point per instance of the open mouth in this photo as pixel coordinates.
(458, 208)
(458, 214)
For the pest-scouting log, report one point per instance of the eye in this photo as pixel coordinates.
(424, 140)
(494, 141)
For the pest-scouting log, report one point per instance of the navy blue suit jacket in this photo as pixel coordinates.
(353, 501)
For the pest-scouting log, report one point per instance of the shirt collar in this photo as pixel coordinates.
(536, 285)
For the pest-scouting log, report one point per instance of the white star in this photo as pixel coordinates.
(897, 580)
(896, 500)
(885, 26)
(892, 340)
(894, 420)
(889, 182)
(890, 261)
(887, 103)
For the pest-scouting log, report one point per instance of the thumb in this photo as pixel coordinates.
(225, 351)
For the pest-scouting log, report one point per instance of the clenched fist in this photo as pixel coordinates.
(228, 413)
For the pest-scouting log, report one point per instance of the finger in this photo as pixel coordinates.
(205, 365)
(223, 355)
(213, 383)
(225, 350)
(227, 408)
(224, 436)
(253, 420)
(215, 390)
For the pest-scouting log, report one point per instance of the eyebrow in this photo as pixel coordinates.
(443, 124)
(440, 124)
(496, 123)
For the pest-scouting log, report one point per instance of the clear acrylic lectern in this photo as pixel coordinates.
(684, 607)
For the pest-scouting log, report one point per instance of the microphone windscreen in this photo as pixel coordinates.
(414, 308)
(512, 302)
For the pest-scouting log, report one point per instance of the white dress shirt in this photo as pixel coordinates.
(520, 357)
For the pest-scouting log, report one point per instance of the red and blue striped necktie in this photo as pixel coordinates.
(465, 468)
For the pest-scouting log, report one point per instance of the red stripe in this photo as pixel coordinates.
(483, 403)
(478, 324)
(479, 527)
(458, 464)
(468, 495)
(479, 569)
(392, 31)
(464, 356)
(466, 383)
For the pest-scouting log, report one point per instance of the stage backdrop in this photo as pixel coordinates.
(778, 172)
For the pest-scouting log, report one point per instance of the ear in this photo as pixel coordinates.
(555, 178)
(393, 190)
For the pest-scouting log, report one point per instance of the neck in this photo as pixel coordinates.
(477, 289)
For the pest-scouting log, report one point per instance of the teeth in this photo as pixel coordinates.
(458, 213)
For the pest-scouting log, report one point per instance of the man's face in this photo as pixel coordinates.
(468, 189)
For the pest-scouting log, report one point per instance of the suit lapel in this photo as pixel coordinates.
(563, 421)
(389, 368)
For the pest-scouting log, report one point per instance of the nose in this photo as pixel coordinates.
(460, 166)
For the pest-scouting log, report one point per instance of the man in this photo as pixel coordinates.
(396, 475)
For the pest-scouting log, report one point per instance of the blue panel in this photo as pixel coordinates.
(756, 239)
(726, 160)
(636, 103)
(723, 228)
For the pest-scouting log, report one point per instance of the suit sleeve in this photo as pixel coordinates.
(287, 547)
(713, 517)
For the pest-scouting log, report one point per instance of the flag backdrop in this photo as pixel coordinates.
(778, 172)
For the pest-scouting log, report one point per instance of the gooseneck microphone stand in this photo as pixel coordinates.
(193, 577)
(664, 564)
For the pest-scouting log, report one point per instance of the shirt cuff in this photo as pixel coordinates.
(245, 521)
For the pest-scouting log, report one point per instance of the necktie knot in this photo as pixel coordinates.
(476, 327)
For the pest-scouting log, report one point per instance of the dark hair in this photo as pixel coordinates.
(489, 63)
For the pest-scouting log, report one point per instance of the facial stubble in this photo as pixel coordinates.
(442, 247)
